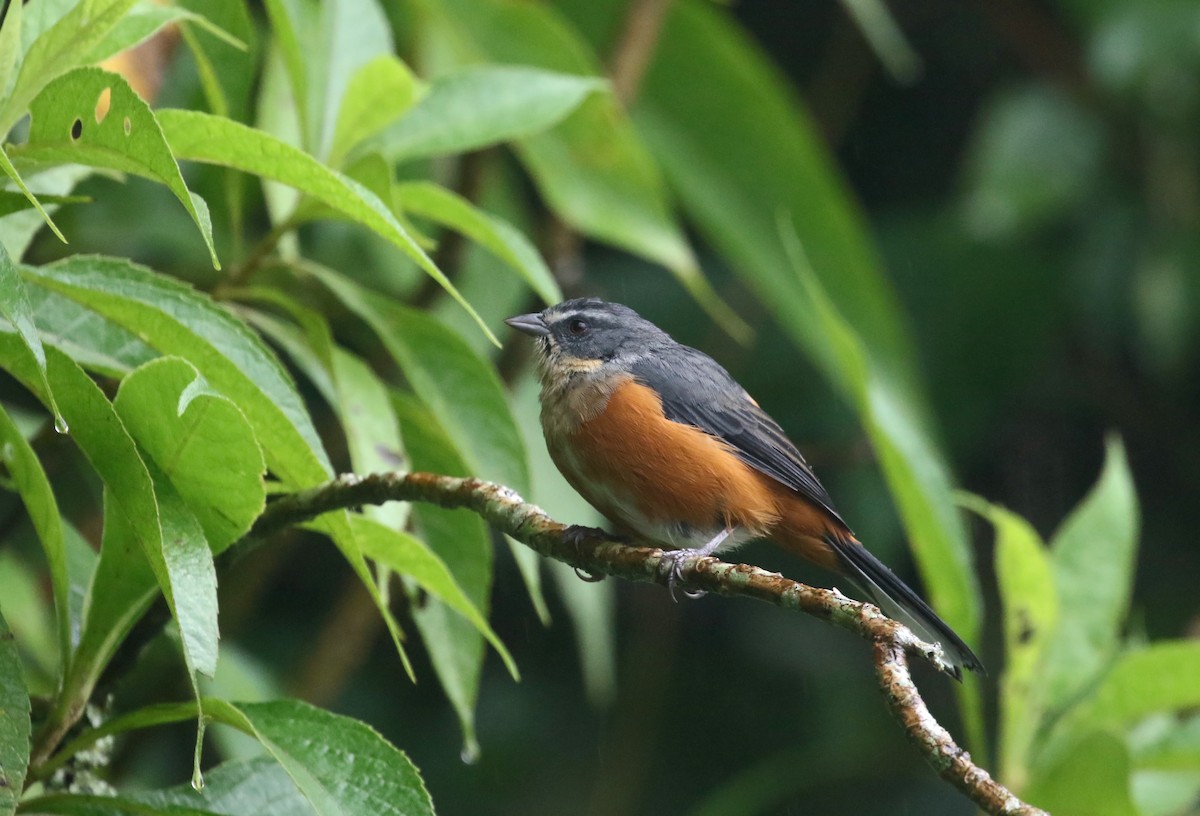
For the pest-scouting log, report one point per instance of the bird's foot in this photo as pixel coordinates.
(672, 561)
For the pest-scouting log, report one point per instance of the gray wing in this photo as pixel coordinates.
(695, 390)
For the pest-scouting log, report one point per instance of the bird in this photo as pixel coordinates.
(666, 444)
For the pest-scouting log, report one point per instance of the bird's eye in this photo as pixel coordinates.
(577, 326)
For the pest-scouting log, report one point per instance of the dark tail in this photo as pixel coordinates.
(897, 601)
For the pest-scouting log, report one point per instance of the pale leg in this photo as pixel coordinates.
(673, 559)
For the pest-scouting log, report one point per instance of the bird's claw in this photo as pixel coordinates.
(576, 534)
(673, 560)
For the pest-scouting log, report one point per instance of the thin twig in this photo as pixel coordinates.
(595, 554)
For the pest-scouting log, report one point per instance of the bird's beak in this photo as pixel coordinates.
(531, 324)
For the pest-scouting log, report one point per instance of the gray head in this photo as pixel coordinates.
(585, 333)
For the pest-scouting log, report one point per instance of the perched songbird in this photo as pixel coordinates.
(660, 438)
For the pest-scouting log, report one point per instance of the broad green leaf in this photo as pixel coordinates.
(1026, 580)
(27, 475)
(60, 48)
(14, 723)
(1175, 748)
(379, 92)
(295, 344)
(200, 137)
(484, 105)
(90, 339)
(1093, 554)
(175, 320)
(348, 35)
(1092, 780)
(342, 766)
(10, 44)
(72, 126)
(592, 167)
(258, 786)
(1159, 677)
(143, 21)
(463, 542)
(290, 23)
(496, 235)
(912, 465)
(16, 309)
(739, 149)
(201, 442)
(78, 804)
(408, 556)
(31, 619)
(7, 166)
(461, 389)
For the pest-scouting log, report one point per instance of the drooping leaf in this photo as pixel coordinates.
(496, 235)
(27, 475)
(143, 21)
(7, 166)
(463, 542)
(200, 137)
(470, 404)
(16, 309)
(1093, 558)
(484, 105)
(91, 116)
(14, 723)
(343, 767)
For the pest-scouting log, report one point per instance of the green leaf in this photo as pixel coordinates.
(349, 34)
(201, 442)
(379, 92)
(342, 766)
(10, 44)
(494, 234)
(76, 804)
(14, 723)
(19, 459)
(11, 202)
(463, 542)
(236, 788)
(1026, 580)
(484, 105)
(461, 389)
(7, 166)
(58, 49)
(1093, 554)
(290, 21)
(70, 127)
(200, 137)
(1159, 677)
(911, 464)
(227, 71)
(15, 308)
(738, 148)
(1092, 780)
(592, 167)
(175, 320)
(408, 556)
(143, 21)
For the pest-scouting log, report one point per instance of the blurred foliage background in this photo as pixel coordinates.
(1001, 200)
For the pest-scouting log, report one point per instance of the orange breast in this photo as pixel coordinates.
(633, 464)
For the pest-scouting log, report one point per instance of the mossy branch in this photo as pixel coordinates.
(596, 554)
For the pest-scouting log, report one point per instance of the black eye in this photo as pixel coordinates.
(577, 326)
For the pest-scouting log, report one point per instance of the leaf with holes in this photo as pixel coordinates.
(92, 117)
(58, 49)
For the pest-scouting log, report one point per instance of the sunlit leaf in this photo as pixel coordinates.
(1092, 780)
(378, 93)
(482, 106)
(91, 116)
